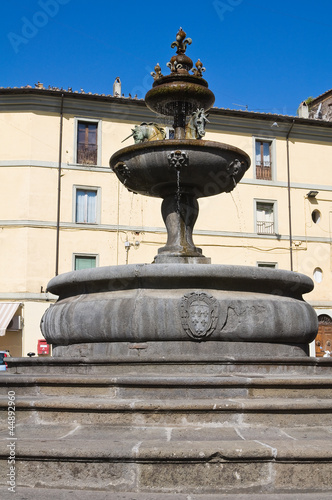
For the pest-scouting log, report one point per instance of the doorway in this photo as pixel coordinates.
(324, 336)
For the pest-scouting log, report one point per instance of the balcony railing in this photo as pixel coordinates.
(264, 227)
(87, 155)
(264, 172)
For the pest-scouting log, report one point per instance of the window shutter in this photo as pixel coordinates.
(80, 197)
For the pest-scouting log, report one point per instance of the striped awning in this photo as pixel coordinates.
(7, 311)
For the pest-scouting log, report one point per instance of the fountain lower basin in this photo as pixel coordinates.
(220, 306)
(207, 168)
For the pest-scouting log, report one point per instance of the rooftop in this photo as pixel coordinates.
(81, 94)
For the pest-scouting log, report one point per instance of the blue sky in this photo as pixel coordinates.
(266, 54)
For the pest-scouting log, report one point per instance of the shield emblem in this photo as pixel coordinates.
(199, 317)
(199, 314)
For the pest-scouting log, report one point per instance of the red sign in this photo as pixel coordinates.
(43, 347)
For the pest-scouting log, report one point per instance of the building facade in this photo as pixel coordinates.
(62, 208)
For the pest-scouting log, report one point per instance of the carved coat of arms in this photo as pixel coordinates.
(199, 314)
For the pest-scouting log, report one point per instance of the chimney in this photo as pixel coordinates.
(303, 110)
(117, 87)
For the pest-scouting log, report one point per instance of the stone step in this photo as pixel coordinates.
(141, 433)
(192, 467)
(163, 452)
(137, 365)
(154, 460)
(23, 493)
(124, 446)
(86, 410)
(70, 432)
(176, 386)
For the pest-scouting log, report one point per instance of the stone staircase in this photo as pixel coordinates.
(146, 430)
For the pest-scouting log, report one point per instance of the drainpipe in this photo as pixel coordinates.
(59, 191)
(289, 198)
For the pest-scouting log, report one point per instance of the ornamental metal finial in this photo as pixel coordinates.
(174, 65)
(157, 73)
(199, 69)
(181, 42)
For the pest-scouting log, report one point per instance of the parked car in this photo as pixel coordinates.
(3, 356)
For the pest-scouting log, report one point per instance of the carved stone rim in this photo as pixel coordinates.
(225, 277)
(178, 144)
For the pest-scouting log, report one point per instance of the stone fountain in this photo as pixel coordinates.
(177, 379)
(181, 303)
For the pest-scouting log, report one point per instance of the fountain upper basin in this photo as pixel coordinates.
(208, 168)
(179, 93)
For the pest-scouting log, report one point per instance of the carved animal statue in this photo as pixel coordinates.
(196, 125)
(147, 132)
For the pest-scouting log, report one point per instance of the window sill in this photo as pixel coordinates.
(84, 165)
(269, 235)
(264, 180)
(87, 167)
(87, 223)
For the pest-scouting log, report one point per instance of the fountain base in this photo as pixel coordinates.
(185, 351)
(178, 308)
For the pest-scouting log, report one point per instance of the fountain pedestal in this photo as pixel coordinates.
(180, 214)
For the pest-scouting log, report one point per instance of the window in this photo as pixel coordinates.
(325, 319)
(271, 265)
(84, 262)
(318, 275)
(263, 159)
(169, 133)
(316, 215)
(265, 223)
(87, 143)
(86, 205)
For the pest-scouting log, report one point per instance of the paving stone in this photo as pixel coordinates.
(316, 433)
(111, 476)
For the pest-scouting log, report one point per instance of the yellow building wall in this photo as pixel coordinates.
(311, 162)
(33, 312)
(16, 130)
(225, 229)
(14, 259)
